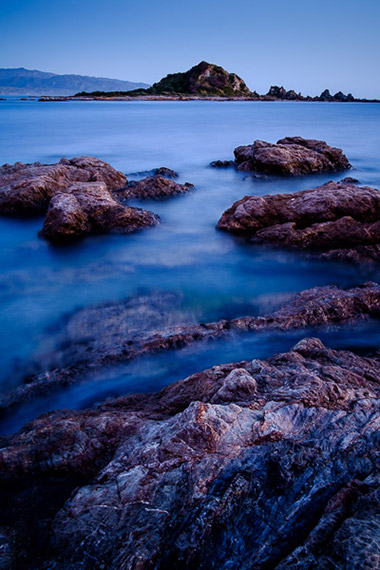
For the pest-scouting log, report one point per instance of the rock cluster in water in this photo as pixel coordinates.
(81, 196)
(336, 220)
(261, 464)
(291, 156)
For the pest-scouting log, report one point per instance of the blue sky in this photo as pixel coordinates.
(303, 45)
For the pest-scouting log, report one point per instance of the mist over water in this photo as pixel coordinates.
(212, 275)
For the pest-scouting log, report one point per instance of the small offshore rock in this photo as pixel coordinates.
(291, 156)
(153, 187)
(167, 172)
(222, 163)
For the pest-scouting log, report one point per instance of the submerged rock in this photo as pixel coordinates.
(157, 186)
(291, 156)
(27, 188)
(164, 171)
(337, 220)
(89, 208)
(97, 337)
(262, 464)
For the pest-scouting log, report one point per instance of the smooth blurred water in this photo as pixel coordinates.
(217, 275)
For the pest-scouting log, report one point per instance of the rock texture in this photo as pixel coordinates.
(157, 186)
(253, 465)
(291, 156)
(89, 208)
(336, 220)
(202, 79)
(27, 188)
(102, 336)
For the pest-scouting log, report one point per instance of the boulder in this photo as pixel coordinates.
(291, 156)
(155, 187)
(88, 208)
(26, 189)
(256, 464)
(336, 219)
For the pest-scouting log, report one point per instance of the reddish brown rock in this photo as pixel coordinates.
(27, 188)
(98, 337)
(291, 156)
(341, 220)
(89, 208)
(260, 464)
(157, 186)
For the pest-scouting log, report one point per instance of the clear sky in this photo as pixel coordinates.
(301, 44)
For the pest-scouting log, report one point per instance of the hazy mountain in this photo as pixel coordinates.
(22, 81)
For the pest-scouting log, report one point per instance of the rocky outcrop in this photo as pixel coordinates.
(164, 171)
(291, 156)
(154, 187)
(101, 336)
(336, 220)
(88, 208)
(259, 464)
(202, 79)
(28, 188)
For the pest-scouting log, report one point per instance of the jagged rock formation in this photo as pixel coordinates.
(75, 193)
(335, 220)
(157, 186)
(291, 156)
(100, 336)
(260, 464)
(28, 188)
(88, 208)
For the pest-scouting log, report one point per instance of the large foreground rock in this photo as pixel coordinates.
(291, 156)
(158, 186)
(97, 337)
(338, 220)
(89, 208)
(27, 188)
(253, 465)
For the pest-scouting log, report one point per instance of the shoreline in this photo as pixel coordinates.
(185, 98)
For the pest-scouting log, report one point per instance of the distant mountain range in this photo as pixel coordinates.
(20, 81)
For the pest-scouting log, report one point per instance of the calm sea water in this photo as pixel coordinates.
(216, 275)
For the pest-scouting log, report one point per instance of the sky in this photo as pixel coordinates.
(303, 45)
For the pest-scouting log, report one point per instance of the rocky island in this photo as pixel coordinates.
(209, 82)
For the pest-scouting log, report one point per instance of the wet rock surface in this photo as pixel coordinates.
(336, 220)
(157, 186)
(27, 188)
(291, 156)
(103, 336)
(265, 464)
(89, 208)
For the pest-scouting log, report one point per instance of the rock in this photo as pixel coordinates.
(222, 163)
(27, 188)
(97, 337)
(89, 208)
(202, 79)
(163, 171)
(154, 187)
(291, 156)
(280, 472)
(335, 219)
(349, 180)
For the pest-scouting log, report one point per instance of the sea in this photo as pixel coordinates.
(210, 274)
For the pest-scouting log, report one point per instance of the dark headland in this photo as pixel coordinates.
(207, 81)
